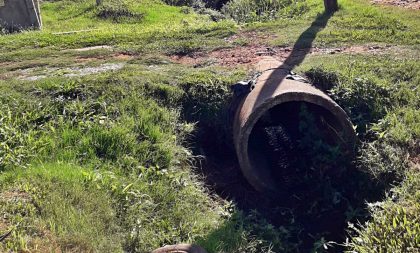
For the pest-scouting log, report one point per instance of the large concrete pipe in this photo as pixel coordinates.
(281, 97)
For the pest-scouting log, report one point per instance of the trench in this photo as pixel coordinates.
(292, 158)
(301, 147)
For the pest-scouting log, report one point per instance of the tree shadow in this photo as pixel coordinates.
(301, 49)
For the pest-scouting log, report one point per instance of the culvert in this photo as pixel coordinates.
(274, 108)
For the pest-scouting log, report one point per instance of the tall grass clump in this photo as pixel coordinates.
(55, 211)
(244, 11)
(395, 225)
(20, 127)
(117, 11)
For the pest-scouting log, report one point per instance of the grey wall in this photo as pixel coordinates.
(20, 14)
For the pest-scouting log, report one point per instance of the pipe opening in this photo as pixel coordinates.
(295, 143)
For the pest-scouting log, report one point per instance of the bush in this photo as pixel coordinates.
(199, 7)
(321, 78)
(383, 161)
(198, 4)
(213, 14)
(181, 2)
(117, 11)
(244, 11)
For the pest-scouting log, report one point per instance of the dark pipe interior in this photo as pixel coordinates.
(292, 140)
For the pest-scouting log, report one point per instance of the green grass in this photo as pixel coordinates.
(395, 225)
(130, 148)
(161, 28)
(355, 23)
(105, 162)
(54, 208)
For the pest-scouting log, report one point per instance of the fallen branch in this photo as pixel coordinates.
(3, 237)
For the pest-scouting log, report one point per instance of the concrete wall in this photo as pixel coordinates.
(20, 14)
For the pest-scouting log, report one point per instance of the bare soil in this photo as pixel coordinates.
(249, 55)
(248, 48)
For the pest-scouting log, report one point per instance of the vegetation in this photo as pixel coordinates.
(395, 225)
(99, 147)
(117, 10)
(244, 11)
